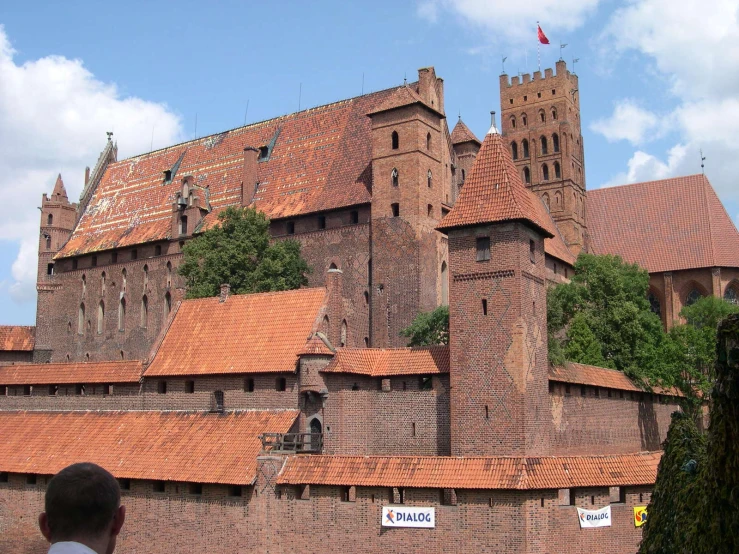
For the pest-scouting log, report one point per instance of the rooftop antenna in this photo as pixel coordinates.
(362, 83)
(561, 47)
(405, 80)
(502, 63)
(574, 61)
(300, 95)
(246, 111)
(703, 159)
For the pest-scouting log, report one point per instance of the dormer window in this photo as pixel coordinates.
(167, 176)
(263, 153)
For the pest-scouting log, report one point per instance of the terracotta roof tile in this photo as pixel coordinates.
(248, 333)
(321, 161)
(581, 374)
(493, 192)
(401, 96)
(380, 362)
(462, 133)
(78, 372)
(17, 337)
(316, 346)
(168, 446)
(665, 225)
(557, 472)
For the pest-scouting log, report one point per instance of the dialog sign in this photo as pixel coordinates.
(401, 516)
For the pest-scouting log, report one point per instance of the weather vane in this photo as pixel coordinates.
(703, 159)
(561, 47)
(502, 62)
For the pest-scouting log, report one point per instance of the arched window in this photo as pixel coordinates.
(545, 199)
(554, 113)
(557, 171)
(524, 120)
(167, 305)
(428, 141)
(102, 283)
(526, 175)
(342, 342)
(692, 297)
(444, 284)
(654, 303)
(50, 220)
(144, 312)
(81, 320)
(395, 140)
(525, 148)
(544, 148)
(555, 142)
(514, 150)
(122, 315)
(101, 317)
(48, 242)
(542, 117)
(394, 177)
(146, 276)
(123, 280)
(513, 121)
(169, 274)
(545, 172)
(183, 225)
(558, 200)
(428, 178)
(84, 284)
(730, 294)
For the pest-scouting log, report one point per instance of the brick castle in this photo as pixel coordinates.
(285, 422)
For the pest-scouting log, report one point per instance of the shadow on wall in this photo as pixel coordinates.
(648, 427)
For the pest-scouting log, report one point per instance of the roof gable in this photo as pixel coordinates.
(665, 225)
(462, 133)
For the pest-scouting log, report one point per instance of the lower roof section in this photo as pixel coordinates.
(73, 372)
(384, 362)
(17, 338)
(489, 473)
(167, 446)
(594, 376)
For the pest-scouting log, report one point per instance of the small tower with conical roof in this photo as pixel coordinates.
(497, 303)
(466, 146)
(58, 217)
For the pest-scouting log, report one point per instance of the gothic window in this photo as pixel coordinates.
(654, 303)
(542, 117)
(545, 199)
(428, 141)
(144, 312)
(428, 178)
(102, 283)
(526, 175)
(557, 171)
(544, 149)
(50, 220)
(555, 142)
(395, 140)
(84, 284)
(101, 317)
(48, 242)
(444, 284)
(394, 177)
(524, 120)
(81, 320)
(183, 225)
(692, 297)
(167, 305)
(169, 274)
(514, 150)
(554, 113)
(146, 276)
(558, 200)
(513, 121)
(123, 281)
(730, 295)
(525, 148)
(122, 315)
(545, 172)
(343, 333)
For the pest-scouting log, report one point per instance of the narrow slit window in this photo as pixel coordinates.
(484, 306)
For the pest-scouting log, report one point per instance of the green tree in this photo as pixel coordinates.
(429, 328)
(238, 251)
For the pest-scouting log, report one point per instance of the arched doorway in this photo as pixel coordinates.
(316, 432)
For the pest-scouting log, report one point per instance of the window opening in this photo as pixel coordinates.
(290, 227)
(354, 217)
(555, 142)
(483, 249)
(484, 306)
(81, 320)
(429, 178)
(425, 382)
(557, 171)
(122, 315)
(545, 172)
(50, 220)
(249, 385)
(321, 221)
(526, 175)
(428, 141)
(544, 146)
(394, 177)
(525, 148)
(395, 207)
(162, 387)
(395, 140)
(281, 384)
(514, 150)
(189, 387)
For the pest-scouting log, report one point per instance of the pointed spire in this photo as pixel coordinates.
(493, 130)
(494, 193)
(462, 133)
(59, 189)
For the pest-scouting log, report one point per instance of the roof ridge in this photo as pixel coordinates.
(646, 182)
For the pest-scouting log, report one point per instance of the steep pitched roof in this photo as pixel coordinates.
(582, 374)
(59, 189)
(77, 372)
(558, 472)
(381, 362)
(248, 333)
(493, 192)
(167, 446)
(462, 133)
(17, 337)
(316, 346)
(320, 161)
(402, 96)
(664, 225)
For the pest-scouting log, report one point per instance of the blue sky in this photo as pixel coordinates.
(654, 83)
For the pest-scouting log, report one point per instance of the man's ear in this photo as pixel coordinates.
(43, 524)
(118, 519)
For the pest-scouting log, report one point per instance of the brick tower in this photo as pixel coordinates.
(541, 125)
(498, 338)
(466, 146)
(410, 182)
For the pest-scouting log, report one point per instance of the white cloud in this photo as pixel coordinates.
(53, 117)
(646, 167)
(514, 20)
(629, 122)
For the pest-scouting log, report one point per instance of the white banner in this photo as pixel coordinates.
(594, 518)
(400, 516)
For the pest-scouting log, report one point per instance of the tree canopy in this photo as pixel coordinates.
(238, 251)
(429, 328)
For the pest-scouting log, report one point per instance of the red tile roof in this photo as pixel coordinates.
(167, 446)
(380, 362)
(581, 374)
(493, 192)
(16, 337)
(78, 372)
(316, 346)
(248, 333)
(462, 133)
(663, 225)
(320, 161)
(472, 473)
(402, 96)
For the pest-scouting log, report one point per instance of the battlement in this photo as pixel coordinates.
(527, 78)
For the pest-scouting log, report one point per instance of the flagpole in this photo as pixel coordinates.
(538, 47)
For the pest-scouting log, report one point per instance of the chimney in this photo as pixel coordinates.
(225, 292)
(249, 175)
(87, 175)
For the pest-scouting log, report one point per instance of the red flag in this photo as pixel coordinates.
(542, 37)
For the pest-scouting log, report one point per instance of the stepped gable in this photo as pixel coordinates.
(320, 161)
(665, 225)
(516, 473)
(462, 133)
(17, 337)
(166, 446)
(594, 376)
(384, 362)
(69, 373)
(493, 193)
(248, 333)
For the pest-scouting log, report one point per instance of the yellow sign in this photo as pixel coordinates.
(640, 515)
